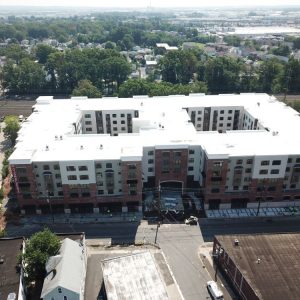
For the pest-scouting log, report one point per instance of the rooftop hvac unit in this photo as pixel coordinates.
(236, 242)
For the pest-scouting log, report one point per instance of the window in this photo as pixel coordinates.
(88, 129)
(59, 185)
(100, 183)
(217, 164)
(65, 298)
(248, 170)
(290, 160)
(114, 115)
(57, 176)
(122, 115)
(115, 122)
(286, 197)
(82, 168)
(150, 169)
(86, 194)
(60, 193)
(265, 163)
(190, 168)
(46, 167)
(88, 122)
(123, 128)
(288, 169)
(199, 112)
(74, 195)
(84, 177)
(199, 119)
(275, 171)
(98, 165)
(229, 118)
(191, 151)
(56, 167)
(150, 153)
(198, 125)
(249, 161)
(263, 172)
(239, 162)
(292, 186)
(72, 177)
(115, 128)
(100, 192)
(276, 162)
(87, 116)
(150, 161)
(228, 124)
(122, 122)
(71, 168)
(109, 165)
(110, 192)
(222, 112)
(59, 290)
(191, 160)
(235, 188)
(230, 111)
(215, 190)
(298, 160)
(272, 188)
(221, 118)
(245, 187)
(221, 124)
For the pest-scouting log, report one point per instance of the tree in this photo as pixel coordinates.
(11, 128)
(42, 52)
(233, 40)
(26, 78)
(178, 66)
(271, 74)
(222, 75)
(38, 249)
(282, 50)
(134, 87)
(86, 88)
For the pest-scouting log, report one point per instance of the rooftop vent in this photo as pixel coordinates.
(81, 147)
(47, 148)
(56, 137)
(1, 260)
(236, 242)
(61, 137)
(258, 261)
(258, 103)
(101, 146)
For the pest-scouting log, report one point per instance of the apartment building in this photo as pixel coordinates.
(99, 155)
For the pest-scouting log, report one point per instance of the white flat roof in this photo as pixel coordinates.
(162, 122)
(133, 277)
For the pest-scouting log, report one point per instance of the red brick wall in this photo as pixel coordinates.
(172, 175)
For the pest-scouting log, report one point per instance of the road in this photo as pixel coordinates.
(180, 243)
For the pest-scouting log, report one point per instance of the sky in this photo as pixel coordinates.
(145, 3)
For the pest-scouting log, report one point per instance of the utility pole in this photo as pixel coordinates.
(158, 225)
(50, 206)
(261, 197)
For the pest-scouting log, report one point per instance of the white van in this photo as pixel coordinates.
(214, 291)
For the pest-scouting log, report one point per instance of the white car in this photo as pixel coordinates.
(191, 221)
(214, 290)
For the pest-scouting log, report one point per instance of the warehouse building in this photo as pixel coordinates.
(97, 155)
(262, 266)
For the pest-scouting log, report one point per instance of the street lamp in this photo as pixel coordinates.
(261, 197)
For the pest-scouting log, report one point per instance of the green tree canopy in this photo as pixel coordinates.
(11, 128)
(42, 52)
(26, 78)
(86, 88)
(38, 249)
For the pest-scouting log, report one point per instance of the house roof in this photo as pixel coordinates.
(66, 269)
(9, 276)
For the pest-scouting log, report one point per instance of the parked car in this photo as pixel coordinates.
(191, 221)
(214, 290)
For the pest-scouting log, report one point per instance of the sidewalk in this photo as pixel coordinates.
(252, 212)
(80, 218)
(207, 261)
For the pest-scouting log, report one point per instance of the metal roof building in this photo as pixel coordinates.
(263, 266)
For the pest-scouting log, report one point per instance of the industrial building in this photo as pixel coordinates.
(262, 266)
(97, 155)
